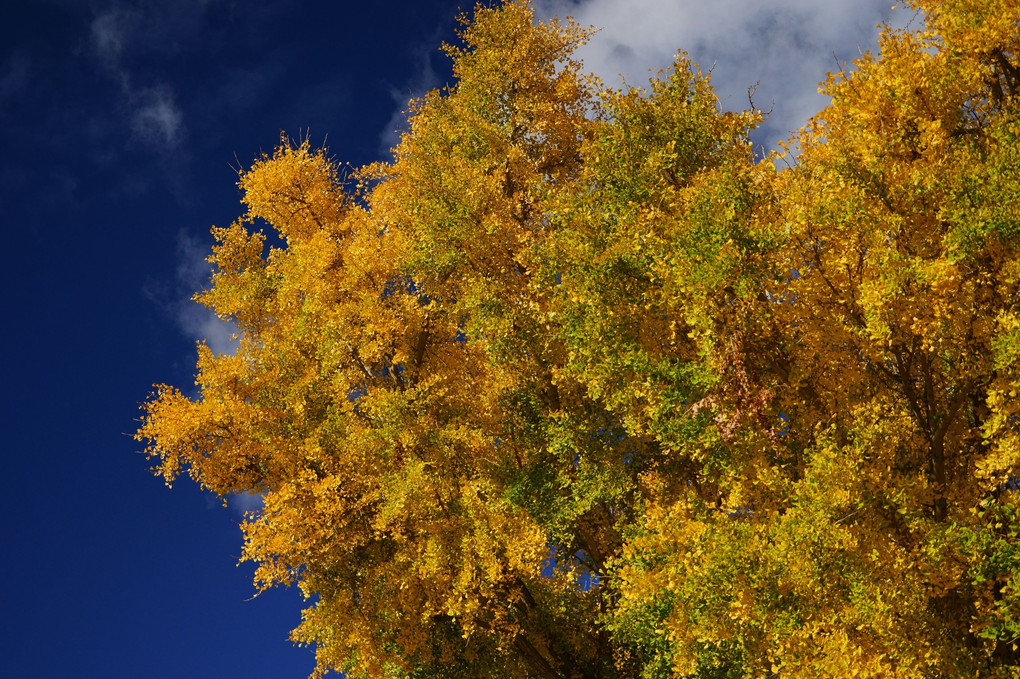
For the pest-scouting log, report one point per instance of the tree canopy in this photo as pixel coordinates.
(577, 386)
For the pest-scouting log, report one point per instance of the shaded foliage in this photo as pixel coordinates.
(575, 386)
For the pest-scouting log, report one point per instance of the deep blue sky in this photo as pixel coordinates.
(120, 121)
(119, 124)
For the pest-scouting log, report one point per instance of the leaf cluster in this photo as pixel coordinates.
(577, 386)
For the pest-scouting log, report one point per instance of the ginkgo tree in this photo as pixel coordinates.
(577, 386)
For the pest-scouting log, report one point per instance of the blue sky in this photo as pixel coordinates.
(121, 124)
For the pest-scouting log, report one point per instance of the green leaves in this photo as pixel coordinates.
(768, 416)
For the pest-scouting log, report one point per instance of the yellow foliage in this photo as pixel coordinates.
(576, 386)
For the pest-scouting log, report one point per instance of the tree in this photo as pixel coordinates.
(863, 523)
(577, 387)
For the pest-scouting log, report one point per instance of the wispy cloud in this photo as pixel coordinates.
(174, 297)
(109, 31)
(195, 320)
(421, 83)
(786, 47)
(246, 503)
(154, 117)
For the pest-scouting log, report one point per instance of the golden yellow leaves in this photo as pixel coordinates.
(756, 407)
(296, 191)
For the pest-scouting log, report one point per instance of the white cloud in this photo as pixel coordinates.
(785, 46)
(423, 81)
(200, 323)
(194, 319)
(155, 118)
(246, 503)
(108, 32)
(397, 125)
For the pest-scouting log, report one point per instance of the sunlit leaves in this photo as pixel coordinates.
(577, 386)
